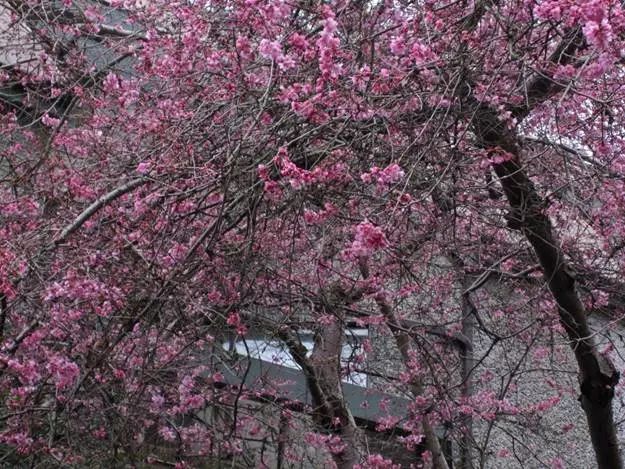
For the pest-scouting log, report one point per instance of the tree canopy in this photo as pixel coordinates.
(176, 174)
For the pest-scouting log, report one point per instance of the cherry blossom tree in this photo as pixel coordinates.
(175, 175)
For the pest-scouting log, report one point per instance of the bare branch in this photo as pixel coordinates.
(97, 205)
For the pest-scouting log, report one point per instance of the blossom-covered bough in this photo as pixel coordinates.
(448, 175)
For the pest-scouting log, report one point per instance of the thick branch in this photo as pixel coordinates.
(542, 87)
(403, 340)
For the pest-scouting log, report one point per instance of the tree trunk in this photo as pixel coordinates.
(323, 376)
(597, 375)
(468, 363)
(326, 359)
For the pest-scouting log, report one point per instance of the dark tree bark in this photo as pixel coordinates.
(597, 375)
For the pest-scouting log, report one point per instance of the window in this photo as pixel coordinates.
(275, 351)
